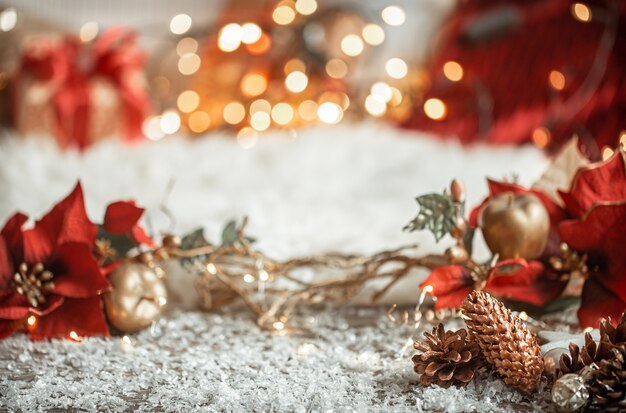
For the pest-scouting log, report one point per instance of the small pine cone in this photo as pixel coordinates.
(607, 389)
(577, 359)
(613, 335)
(446, 358)
(507, 344)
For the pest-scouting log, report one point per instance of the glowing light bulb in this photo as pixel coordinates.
(260, 121)
(152, 128)
(330, 113)
(88, 32)
(188, 101)
(435, 109)
(282, 113)
(253, 84)
(278, 325)
(250, 33)
(247, 138)
(581, 12)
(31, 320)
(8, 19)
(541, 137)
(230, 37)
(393, 15)
(557, 80)
(211, 268)
(249, 278)
(199, 121)
(180, 24)
(186, 45)
(306, 7)
(373, 34)
(453, 71)
(260, 105)
(382, 91)
(308, 110)
(170, 122)
(375, 106)
(74, 336)
(189, 64)
(294, 65)
(296, 81)
(428, 289)
(234, 113)
(336, 68)
(396, 68)
(283, 15)
(352, 45)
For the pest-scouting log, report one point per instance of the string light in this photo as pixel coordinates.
(234, 113)
(8, 19)
(199, 121)
(296, 81)
(283, 15)
(375, 106)
(249, 278)
(180, 24)
(188, 101)
(282, 113)
(435, 109)
(250, 33)
(170, 122)
(229, 38)
(336, 68)
(189, 64)
(381, 91)
(74, 336)
(261, 46)
(278, 325)
(373, 34)
(607, 152)
(294, 65)
(247, 138)
(396, 97)
(253, 84)
(541, 137)
(393, 15)
(396, 68)
(186, 45)
(453, 71)
(152, 128)
(581, 12)
(31, 321)
(308, 110)
(88, 32)
(352, 45)
(260, 105)
(557, 80)
(260, 121)
(306, 7)
(211, 268)
(622, 139)
(330, 113)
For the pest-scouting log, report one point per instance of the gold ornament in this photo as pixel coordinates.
(515, 226)
(136, 299)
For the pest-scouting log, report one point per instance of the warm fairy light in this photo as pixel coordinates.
(211, 268)
(253, 84)
(8, 19)
(396, 68)
(282, 113)
(294, 65)
(382, 91)
(308, 110)
(435, 109)
(260, 105)
(393, 15)
(428, 289)
(162, 301)
(234, 112)
(152, 128)
(126, 341)
(588, 329)
(264, 275)
(261, 46)
(330, 113)
(199, 121)
(188, 101)
(230, 37)
(189, 64)
(249, 278)
(622, 139)
(373, 34)
(375, 106)
(557, 80)
(260, 121)
(352, 45)
(453, 71)
(170, 122)
(336, 68)
(247, 138)
(396, 97)
(283, 15)
(278, 325)
(250, 33)
(541, 137)
(306, 7)
(74, 336)
(31, 321)
(607, 152)
(88, 32)
(186, 45)
(180, 24)
(296, 81)
(581, 12)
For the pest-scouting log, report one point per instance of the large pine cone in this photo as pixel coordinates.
(608, 387)
(446, 358)
(506, 343)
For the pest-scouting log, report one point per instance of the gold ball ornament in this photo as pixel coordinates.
(136, 299)
(515, 226)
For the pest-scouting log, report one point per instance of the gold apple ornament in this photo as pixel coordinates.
(515, 226)
(137, 297)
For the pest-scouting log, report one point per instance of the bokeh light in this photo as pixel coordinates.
(330, 113)
(373, 34)
(352, 45)
(393, 15)
(234, 113)
(396, 68)
(188, 101)
(253, 84)
(180, 24)
(260, 121)
(199, 121)
(453, 71)
(88, 32)
(296, 81)
(336, 68)
(435, 109)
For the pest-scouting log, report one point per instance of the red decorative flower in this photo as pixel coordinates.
(122, 218)
(49, 280)
(597, 202)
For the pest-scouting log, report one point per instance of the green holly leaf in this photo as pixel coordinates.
(230, 233)
(195, 239)
(436, 214)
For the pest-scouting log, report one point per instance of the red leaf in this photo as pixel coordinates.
(13, 306)
(529, 283)
(453, 299)
(81, 315)
(450, 284)
(81, 277)
(7, 328)
(53, 301)
(12, 234)
(121, 217)
(598, 302)
(6, 266)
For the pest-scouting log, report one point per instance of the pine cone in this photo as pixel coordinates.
(446, 358)
(608, 387)
(506, 343)
(577, 359)
(613, 335)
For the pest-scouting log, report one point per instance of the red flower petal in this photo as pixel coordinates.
(121, 217)
(82, 315)
(6, 266)
(598, 302)
(66, 222)
(81, 277)
(528, 282)
(450, 284)
(13, 306)
(7, 328)
(140, 236)
(599, 182)
(12, 234)
(53, 301)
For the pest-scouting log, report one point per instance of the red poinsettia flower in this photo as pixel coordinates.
(49, 276)
(122, 218)
(597, 202)
(517, 280)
